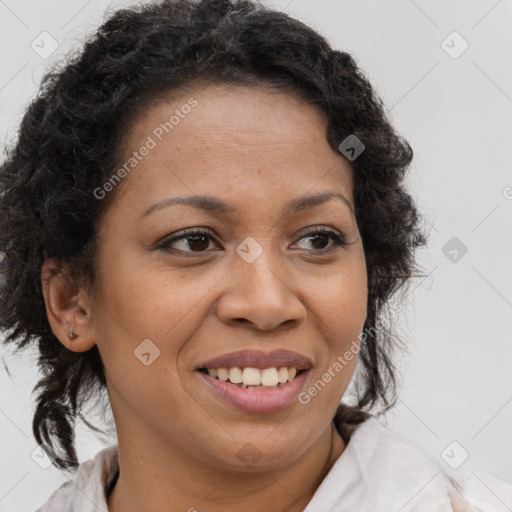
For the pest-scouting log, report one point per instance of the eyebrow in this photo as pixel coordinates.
(213, 205)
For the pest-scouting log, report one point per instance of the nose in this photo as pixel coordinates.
(260, 294)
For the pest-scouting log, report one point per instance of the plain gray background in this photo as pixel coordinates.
(454, 109)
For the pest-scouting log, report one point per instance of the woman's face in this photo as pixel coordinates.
(254, 282)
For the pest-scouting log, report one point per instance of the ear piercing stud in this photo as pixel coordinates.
(72, 334)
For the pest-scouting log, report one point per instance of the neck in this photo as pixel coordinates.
(145, 484)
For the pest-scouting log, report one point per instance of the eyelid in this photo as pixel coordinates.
(183, 233)
(318, 228)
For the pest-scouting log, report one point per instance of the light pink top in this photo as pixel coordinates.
(378, 471)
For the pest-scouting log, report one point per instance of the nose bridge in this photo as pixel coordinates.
(262, 275)
(258, 271)
(261, 291)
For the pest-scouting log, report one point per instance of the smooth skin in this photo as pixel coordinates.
(255, 149)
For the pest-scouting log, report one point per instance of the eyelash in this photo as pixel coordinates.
(339, 240)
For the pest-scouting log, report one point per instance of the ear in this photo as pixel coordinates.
(67, 308)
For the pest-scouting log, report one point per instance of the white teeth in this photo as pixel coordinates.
(269, 377)
(235, 375)
(264, 378)
(252, 376)
(223, 374)
(282, 374)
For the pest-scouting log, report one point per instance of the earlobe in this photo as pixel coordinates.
(67, 308)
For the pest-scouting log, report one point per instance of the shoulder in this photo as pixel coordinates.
(382, 470)
(86, 490)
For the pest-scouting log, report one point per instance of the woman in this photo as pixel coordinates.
(161, 219)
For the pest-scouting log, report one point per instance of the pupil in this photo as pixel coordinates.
(194, 240)
(316, 237)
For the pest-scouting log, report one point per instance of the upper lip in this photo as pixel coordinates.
(259, 359)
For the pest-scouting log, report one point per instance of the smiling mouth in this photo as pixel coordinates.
(254, 378)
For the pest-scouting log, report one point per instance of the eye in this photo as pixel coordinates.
(198, 240)
(320, 235)
(194, 238)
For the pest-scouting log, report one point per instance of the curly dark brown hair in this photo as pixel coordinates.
(69, 143)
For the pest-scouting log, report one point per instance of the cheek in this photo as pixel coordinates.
(142, 320)
(340, 300)
(340, 305)
(138, 302)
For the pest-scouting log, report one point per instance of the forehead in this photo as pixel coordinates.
(237, 140)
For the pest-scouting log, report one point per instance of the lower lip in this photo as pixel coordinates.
(257, 400)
